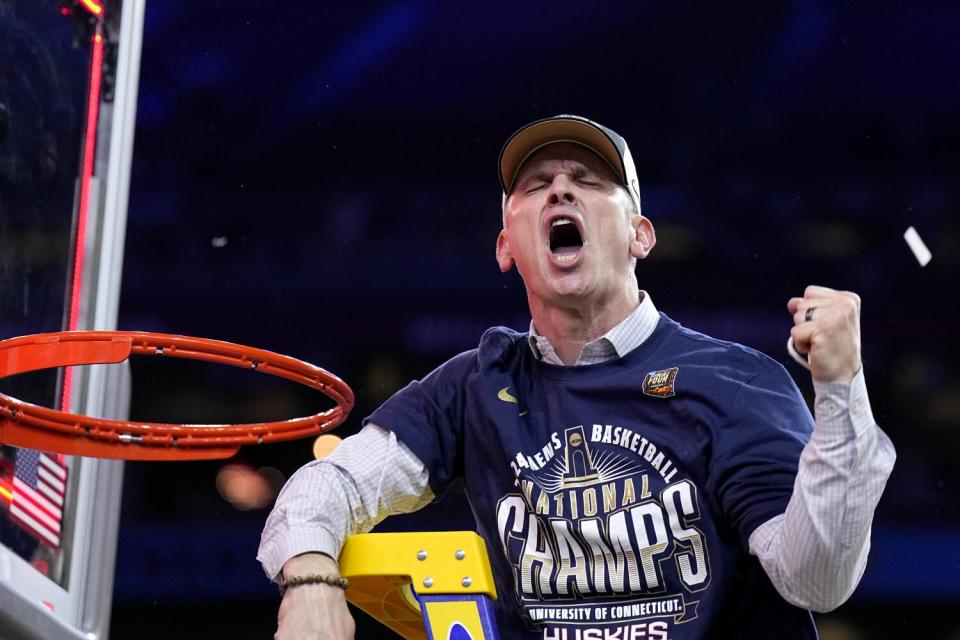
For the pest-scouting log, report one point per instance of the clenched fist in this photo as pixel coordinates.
(827, 327)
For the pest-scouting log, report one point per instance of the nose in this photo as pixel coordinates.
(561, 190)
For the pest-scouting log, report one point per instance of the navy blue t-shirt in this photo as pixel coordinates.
(617, 499)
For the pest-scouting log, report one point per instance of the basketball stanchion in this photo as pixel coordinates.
(423, 585)
(27, 425)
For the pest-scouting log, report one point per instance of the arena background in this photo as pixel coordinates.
(320, 180)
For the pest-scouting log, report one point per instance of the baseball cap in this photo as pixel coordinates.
(605, 142)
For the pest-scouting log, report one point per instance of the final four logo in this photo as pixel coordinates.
(603, 532)
(660, 384)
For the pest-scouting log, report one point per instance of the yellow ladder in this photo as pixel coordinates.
(423, 585)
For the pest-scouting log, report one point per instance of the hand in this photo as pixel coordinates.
(831, 336)
(313, 611)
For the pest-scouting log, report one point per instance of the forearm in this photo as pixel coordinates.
(367, 478)
(816, 552)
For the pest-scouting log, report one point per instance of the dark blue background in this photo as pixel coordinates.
(319, 179)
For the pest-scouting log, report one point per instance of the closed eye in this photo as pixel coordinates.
(584, 176)
(532, 187)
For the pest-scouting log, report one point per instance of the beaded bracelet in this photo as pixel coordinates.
(313, 578)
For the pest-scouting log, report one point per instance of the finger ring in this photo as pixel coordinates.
(808, 316)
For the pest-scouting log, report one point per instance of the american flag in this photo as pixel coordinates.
(39, 484)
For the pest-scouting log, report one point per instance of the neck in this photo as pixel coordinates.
(569, 325)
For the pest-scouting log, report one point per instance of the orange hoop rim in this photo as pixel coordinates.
(28, 425)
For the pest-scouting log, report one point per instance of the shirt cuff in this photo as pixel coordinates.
(274, 553)
(840, 407)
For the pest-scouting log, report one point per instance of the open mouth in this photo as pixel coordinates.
(565, 238)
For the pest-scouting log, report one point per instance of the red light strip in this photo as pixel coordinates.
(92, 7)
(86, 176)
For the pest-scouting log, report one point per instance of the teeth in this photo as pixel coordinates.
(560, 221)
(565, 257)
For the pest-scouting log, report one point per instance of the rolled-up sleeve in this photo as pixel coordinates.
(368, 477)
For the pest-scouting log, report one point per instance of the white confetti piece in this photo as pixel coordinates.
(916, 244)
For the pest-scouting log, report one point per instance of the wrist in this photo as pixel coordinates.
(842, 377)
(310, 563)
(313, 578)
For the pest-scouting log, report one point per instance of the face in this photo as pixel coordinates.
(569, 227)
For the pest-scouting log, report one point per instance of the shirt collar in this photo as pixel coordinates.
(629, 334)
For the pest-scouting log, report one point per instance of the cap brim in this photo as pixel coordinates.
(527, 141)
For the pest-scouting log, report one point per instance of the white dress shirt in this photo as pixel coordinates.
(814, 553)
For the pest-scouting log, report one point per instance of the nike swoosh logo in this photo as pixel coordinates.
(504, 395)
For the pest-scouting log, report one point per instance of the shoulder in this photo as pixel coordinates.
(499, 346)
(730, 360)
(751, 390)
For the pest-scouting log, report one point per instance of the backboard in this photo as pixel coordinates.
(68, 78)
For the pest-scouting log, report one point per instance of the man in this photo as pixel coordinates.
(632, 478)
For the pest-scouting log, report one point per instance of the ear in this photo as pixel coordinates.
(644, 237)
(504, 257)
